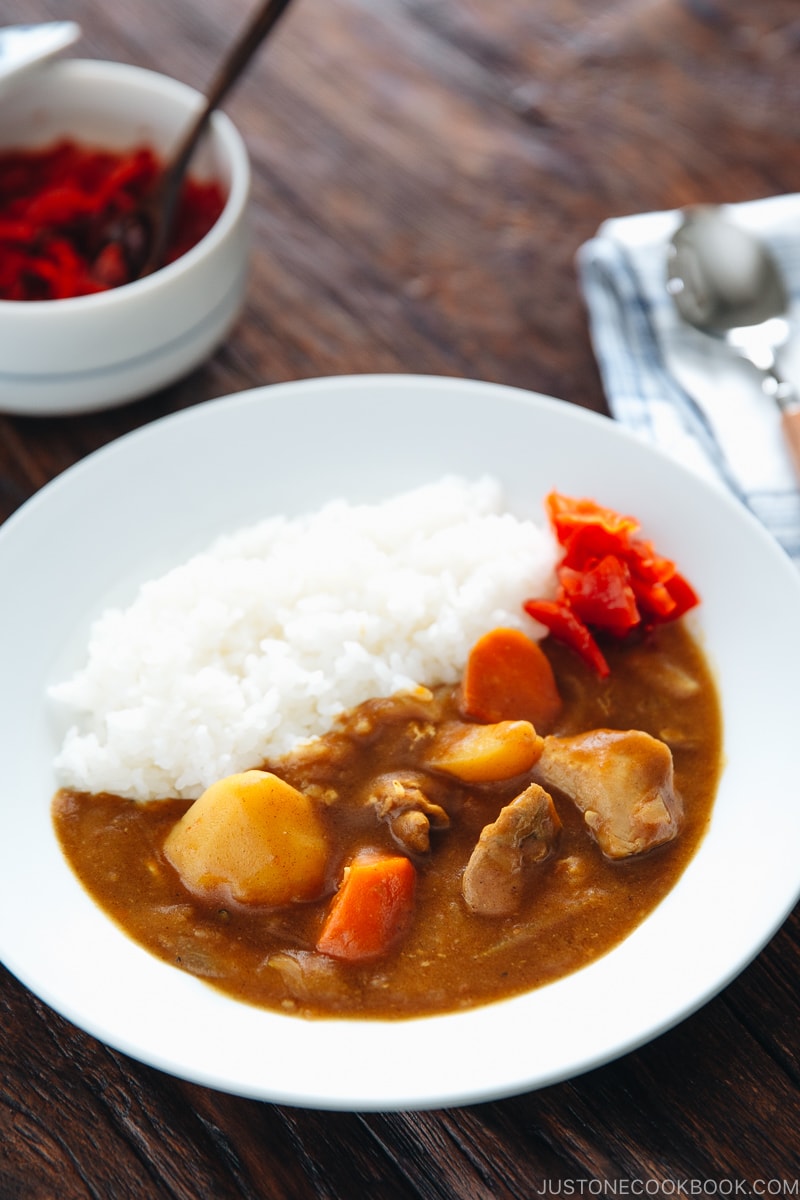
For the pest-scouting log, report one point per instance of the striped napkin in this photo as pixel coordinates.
(683, 390)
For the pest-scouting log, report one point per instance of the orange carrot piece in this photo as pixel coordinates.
(372, 907)
(508, 678)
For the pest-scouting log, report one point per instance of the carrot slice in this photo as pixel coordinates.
(371, 909)
(508, 678)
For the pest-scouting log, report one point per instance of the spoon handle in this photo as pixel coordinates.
(238, 57)
(786, 397)
(254, 33)
(790, 422)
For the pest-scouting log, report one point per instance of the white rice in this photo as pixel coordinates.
(258, 643)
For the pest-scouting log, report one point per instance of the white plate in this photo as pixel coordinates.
(152, 498)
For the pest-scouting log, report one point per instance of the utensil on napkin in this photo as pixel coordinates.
(675, 386)
(725, 282)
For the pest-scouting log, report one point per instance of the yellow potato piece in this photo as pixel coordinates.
(485, 753)
(252, 838)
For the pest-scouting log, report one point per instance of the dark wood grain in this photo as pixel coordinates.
(424, 172)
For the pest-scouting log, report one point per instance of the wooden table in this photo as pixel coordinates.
(424, 173)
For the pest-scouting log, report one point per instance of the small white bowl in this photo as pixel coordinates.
(98, 351)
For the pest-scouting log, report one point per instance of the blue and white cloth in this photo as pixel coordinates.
(680, 389)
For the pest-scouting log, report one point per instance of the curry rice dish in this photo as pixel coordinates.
(443, 844)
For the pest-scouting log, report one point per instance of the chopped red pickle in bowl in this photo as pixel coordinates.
(77, 335)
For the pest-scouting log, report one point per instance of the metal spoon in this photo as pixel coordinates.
(144, 233)
(725, 283)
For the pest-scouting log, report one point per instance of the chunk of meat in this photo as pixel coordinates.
(308, 976)
(398, 798)
(524, 833)
(622, 782)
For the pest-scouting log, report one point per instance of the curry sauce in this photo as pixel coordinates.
(577, 904)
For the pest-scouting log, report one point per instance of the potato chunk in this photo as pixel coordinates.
(484, 753)
(251, 838)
